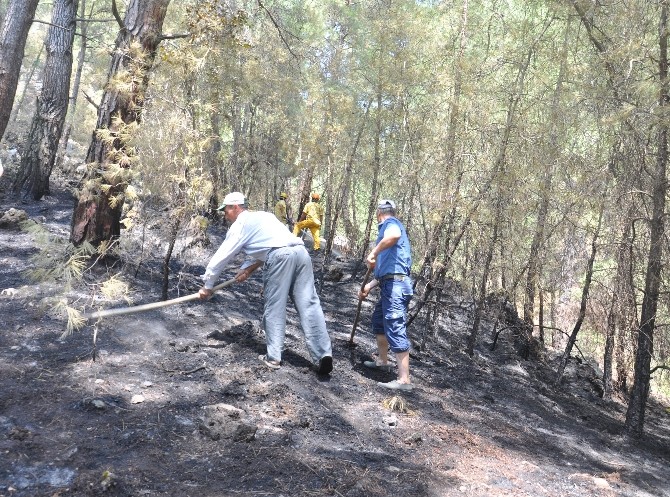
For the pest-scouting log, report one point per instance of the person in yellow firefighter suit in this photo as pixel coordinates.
(311, 218)
(280, 209)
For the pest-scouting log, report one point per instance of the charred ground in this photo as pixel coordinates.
(175, 403)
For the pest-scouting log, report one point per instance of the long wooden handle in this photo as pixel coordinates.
(358, 308)
(155, 305)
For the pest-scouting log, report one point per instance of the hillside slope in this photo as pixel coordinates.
(175, 402)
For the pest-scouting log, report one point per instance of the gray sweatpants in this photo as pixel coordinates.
(288, 272)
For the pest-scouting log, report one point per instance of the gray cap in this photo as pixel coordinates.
(386, 204)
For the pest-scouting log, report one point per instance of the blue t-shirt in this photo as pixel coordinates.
(396, 259)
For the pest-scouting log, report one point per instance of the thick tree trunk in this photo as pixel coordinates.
(97, 214)
(540, 323)
(45, 131)
(623, 351)
(13, 35)
(645, 338)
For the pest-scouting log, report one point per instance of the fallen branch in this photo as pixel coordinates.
(190, 371)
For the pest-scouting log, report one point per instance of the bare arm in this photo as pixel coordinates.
(384, 243)
(364, 292)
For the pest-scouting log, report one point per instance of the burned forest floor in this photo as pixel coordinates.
(174, 402)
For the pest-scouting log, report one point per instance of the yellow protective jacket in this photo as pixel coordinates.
(314, 212)
(280, 211)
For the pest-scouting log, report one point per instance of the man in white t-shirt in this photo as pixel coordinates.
(287, 273)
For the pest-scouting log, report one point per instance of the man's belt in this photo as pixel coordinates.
(272, 250)
(393, 276)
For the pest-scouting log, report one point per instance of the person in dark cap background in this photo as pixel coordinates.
(391, 259)
(287, 272)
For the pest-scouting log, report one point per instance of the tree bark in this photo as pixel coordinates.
(374, 192)
(645, 339)
(28, 81)
(13, 35)
(343, 195)
(479, 309)
(72, 109)
(535, 258)
(447, 216)
(174, 232)
(97, 215)
(47, 126)
(552, 319)
(618, 307)
(585, 298)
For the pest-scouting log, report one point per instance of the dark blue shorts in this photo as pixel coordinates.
(390, 314)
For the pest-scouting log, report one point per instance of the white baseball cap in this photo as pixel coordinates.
(386, 204)
(234, 198)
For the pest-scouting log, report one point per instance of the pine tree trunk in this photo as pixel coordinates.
(540, 323)
(535, 257)
(645, 339)
(174, 232)
(13, 35)
(97, 214)
(343, 195)
(619, 307)
(552, 319)
(72, 109)
(479, 308)
(608, 353)
(374, 192)
(28, 82)
(45, 131)
(447, 216)
(585, 298)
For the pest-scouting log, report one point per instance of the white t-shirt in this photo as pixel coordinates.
(255, 233)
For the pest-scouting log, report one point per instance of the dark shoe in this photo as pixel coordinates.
(379, 367)
(269, 362)
(396, 385)
(325, 366)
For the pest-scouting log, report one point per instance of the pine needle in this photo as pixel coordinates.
(75, 319)
(398, 404)
(114, 288)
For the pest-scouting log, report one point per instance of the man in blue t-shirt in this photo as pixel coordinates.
(392, 261)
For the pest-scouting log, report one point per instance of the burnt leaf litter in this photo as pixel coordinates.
(176, 402)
